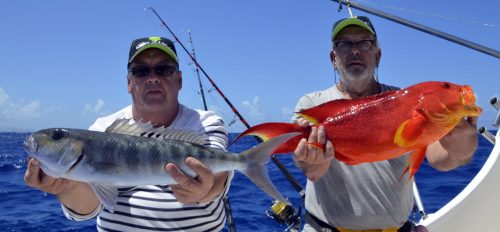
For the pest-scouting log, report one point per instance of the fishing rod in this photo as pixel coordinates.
(420, 27)
(227, 203)
(197, 70)
(286, 213)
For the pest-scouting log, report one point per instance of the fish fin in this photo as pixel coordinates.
(266, 131)
(182, 135)
(410, 130)
(125, 126)
(332, 108)
(415, 159)
(107, 195)
(257, 158)
(146, 129)
(311, 119)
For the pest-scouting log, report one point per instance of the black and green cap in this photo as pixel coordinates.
(162, 43)
(360, 21)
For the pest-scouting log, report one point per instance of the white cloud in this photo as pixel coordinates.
(18, 111)
(96, 108)
(31, 110)
(3, 96)
(254, 108)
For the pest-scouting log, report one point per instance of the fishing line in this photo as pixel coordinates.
(216, 106)
(450, 18)
(423, 28)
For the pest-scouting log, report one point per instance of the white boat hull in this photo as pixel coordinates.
(477, 207)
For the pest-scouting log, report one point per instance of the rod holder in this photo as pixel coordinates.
(495, 103)
(418, 201)
(487, 135)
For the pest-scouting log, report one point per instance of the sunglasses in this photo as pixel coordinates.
(162, 70)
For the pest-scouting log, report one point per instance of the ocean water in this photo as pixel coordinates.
(25, 209)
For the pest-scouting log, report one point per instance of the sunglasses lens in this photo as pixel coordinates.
(163, 70)
(140, 71)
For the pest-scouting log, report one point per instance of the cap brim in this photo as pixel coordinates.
(158, 46)
(350, 22)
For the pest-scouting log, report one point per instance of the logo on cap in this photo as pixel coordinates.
(156, 40)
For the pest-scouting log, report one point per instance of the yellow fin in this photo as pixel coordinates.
(409, 131)
(261, 136)
(309, 118)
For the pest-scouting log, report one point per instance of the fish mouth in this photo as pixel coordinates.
(471, 111)
(30, 145)
(469, 102)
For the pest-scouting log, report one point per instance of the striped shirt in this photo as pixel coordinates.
(155, 208)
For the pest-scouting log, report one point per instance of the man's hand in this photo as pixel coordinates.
(313, 161)
(203, 188)
(75, 195)
(36, 178)
(456, 148)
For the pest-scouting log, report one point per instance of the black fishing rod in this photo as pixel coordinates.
(197, 70)
(285, 211)
(227, 203)
(420, 27)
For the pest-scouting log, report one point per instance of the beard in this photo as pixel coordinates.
(356, 72)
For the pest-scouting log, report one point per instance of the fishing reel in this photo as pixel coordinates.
(284, 213)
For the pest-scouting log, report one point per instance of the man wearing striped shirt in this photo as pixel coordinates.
(193, 204)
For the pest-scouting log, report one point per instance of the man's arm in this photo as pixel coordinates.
(75, 195)
(456, 148)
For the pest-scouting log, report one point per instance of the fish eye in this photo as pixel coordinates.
(446, 85)
(57, 134)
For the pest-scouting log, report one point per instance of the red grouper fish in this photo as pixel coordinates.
(383, 126)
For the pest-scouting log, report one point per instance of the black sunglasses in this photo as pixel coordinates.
(161, 70)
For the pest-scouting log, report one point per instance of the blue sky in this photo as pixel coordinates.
(63, 63)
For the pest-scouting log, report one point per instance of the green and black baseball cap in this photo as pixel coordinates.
(162, 43)
(360, 21)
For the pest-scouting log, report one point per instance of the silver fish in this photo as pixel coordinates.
(136, 154)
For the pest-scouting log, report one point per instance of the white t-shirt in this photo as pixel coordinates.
(154, 207)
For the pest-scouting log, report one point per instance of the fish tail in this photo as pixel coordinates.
(257, 158)
(267, 131)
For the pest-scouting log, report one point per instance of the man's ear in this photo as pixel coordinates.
(128, 85)
(332, 57)
(378, 55)
(180, 80)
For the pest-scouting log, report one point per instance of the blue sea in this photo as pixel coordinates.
(25, 209)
